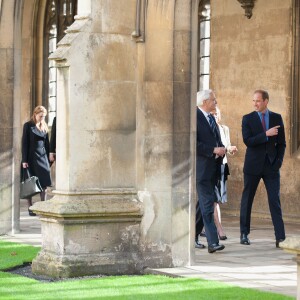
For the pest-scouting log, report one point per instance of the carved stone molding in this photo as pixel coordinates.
(247, 5)
(139, 33)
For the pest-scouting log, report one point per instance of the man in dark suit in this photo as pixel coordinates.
(263, 134)
(52, 155)
(210, 153)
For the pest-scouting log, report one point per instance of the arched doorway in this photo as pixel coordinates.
(31, 84)
(53, 18)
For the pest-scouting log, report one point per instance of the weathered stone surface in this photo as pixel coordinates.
(158, 106)
(182, 116)
(247, 55)
(291, 244)
(95, 233)
(111, 17)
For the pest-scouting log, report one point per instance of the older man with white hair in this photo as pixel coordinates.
(210, 153)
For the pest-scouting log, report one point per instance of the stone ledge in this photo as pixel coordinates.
(79, 205)
(291, 244)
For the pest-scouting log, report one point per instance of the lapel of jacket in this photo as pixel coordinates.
(204, 120)
(257, 120)
(271, 120)
(37, 132)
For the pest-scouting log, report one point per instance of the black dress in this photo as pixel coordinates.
(35, 151)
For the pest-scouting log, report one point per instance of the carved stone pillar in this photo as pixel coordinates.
(89, 233)
(92, 224)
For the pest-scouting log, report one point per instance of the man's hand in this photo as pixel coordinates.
(220, 151)
(25, 165)
(272, 131)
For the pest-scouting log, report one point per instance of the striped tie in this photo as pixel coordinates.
(213, 126)
(212, 123)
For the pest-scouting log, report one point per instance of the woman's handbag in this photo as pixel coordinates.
(30, 186)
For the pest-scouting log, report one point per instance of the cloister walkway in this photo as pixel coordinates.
(260, 265)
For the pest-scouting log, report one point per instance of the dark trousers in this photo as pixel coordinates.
(206, 199)
(199, 221)
(271, 180)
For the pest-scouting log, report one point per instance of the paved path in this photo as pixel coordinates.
(260, 265)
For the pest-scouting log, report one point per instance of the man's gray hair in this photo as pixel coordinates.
(203, 95)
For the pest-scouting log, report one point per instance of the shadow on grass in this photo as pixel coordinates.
(145, 287)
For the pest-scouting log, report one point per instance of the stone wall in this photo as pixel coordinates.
(6, 117)
(248, 54)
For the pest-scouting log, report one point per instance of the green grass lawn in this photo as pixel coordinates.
(146, 287)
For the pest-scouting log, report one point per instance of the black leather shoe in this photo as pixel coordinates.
(199, 245)
(31, 213)
(244, 239)
(215, 247)
(222, 237)
(279, 241)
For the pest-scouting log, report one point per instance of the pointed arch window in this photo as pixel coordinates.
(203, 44)
(59, 15)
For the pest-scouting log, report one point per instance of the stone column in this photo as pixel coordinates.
(292, 245)
(84, 7)
(92, 224)
(124, 167)
(9, 202)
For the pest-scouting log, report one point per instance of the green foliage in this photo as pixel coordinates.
(147, 287)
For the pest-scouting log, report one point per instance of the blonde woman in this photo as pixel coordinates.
(35, 150)
(221, 188)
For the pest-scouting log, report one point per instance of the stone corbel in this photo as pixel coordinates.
(247, 5)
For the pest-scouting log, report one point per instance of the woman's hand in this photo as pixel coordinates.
(232, 150)
(25, 165)
(52, 157)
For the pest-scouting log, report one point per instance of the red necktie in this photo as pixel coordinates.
(263, 122)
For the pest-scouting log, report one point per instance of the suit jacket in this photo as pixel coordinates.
(206, 142)
(53, 137)
(258, 146)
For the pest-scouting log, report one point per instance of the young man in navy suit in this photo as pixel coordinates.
(210, 153)
(263, 134)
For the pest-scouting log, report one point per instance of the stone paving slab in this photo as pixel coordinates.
(260, 266)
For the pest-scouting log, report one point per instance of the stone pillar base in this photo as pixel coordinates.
(292, 245)
(89, 234)
(67, 266)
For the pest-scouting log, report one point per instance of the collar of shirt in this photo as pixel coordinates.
(205, 114)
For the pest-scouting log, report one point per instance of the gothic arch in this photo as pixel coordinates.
(23, 44)
(29, 18)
